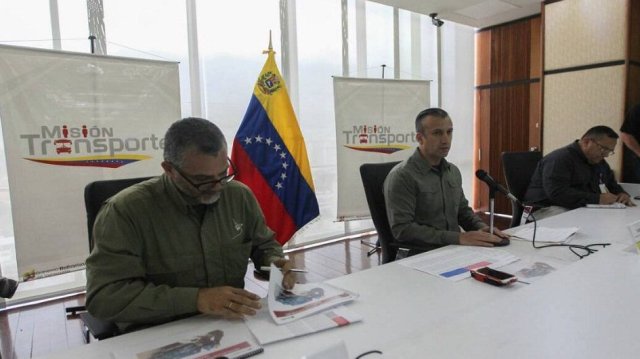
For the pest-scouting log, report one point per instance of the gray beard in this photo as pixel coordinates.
(210, 200)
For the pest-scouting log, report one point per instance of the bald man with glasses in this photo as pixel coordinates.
(576, 175)
(179, 244)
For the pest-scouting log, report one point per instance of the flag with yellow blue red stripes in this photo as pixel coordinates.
(271, 157)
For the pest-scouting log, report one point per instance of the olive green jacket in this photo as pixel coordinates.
(426, 205)
(153, 251)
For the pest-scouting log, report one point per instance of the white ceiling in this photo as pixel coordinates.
(474, 13)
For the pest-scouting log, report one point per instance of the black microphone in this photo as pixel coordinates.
(484, 176)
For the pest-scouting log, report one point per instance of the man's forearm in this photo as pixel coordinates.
(630, 142)
(140, 302)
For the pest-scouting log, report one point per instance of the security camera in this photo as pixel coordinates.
(434, 19)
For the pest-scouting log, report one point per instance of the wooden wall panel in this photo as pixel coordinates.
(481, 144)
(510, 52)
(633, 85)
(634, 30)
(483, 58)
(535, 116)
(535, 48)
(509, 130)
(632, 98)
(578, 100)
(582, 32)
(505, 105)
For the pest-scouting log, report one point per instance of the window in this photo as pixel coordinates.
(25, 23)
(379, 40)
(150, 29)
(231, 39)
(74, 28)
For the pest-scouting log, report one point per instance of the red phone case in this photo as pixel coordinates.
(491, 280)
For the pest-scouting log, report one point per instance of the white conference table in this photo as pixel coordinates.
(584, 309)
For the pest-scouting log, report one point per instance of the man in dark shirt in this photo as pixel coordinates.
(576, 175)
(630, 136)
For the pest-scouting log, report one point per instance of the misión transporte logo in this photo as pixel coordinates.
(377, 138)
(64, 145)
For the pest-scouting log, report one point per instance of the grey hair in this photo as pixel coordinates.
(192, 133)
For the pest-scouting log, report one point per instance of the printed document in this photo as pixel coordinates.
(266, 331)
(303, 300)
(195, 338)
(454, 262)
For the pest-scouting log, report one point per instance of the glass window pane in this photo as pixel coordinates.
(351, 34)
(231, 38)
(74, 27)
(379, 40)
(150, 29)
(320, 58)
(25, 23)
(404, 36)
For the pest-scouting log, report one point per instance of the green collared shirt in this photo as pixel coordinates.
(426, 205)
(154, 250)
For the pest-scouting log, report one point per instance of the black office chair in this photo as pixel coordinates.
(373, 176)
(95, 194)
(518, 169)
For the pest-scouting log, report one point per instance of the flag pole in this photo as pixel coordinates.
(270, 46)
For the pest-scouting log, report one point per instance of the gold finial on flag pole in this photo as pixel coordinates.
(270, 46)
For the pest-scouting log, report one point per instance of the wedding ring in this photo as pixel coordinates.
(228, 306)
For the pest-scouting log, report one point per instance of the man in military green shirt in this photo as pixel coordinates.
(179, 244)
(425, 202)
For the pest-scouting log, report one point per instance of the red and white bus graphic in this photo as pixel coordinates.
(62, 146)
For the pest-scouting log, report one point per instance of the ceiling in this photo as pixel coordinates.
(474, 13)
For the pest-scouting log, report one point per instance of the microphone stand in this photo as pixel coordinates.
(492, 198)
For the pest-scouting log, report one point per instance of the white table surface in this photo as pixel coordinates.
(586, 308)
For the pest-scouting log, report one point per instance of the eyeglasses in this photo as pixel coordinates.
(604, 150)
(222, 180)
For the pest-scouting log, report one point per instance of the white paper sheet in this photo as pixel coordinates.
(454, 262)
(544, 234)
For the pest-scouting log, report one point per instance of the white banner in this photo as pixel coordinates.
(69, 119)
(375, 122)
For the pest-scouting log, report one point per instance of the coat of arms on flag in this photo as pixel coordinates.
(271, 156)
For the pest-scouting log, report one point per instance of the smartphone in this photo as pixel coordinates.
(492, 276)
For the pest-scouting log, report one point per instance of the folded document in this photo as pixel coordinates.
(303, 300)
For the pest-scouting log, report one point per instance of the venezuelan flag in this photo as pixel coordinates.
(271, 157)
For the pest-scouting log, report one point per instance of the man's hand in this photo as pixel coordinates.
(496, 231)
(479, 238)
(289, 277)
(608, 198)
(625, 199)
(228, 302)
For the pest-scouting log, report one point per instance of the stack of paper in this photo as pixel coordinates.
(544, 234)
(307, 308)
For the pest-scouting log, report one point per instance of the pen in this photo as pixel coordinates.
(295, 270)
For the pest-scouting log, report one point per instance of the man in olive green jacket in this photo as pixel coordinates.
(179, 244)
(425, 202)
